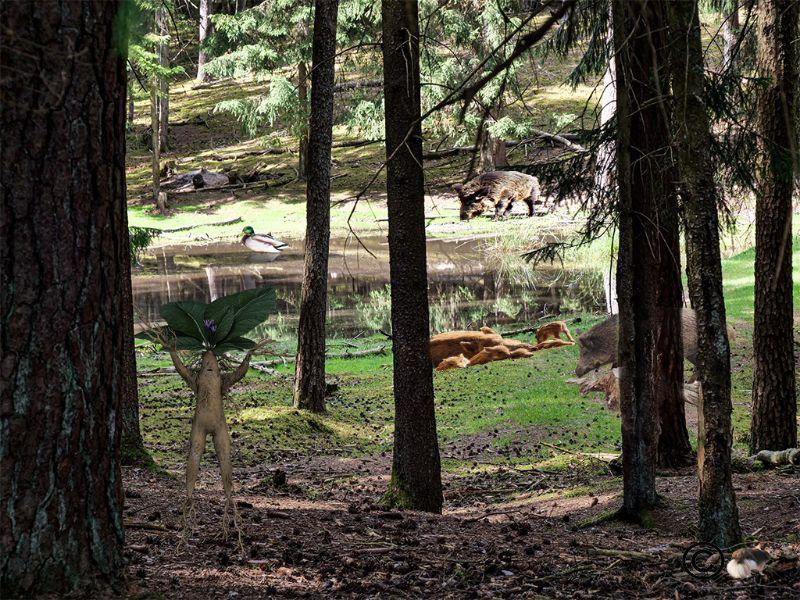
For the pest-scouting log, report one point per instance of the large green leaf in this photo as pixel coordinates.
(183, 342)
(240, 344)
(186, 318)
(224, 325)
(250, 308)
(156, 334)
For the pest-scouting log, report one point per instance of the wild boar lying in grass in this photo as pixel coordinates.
(459, 349)
(498, 190)
(470, 343)
(598, 346)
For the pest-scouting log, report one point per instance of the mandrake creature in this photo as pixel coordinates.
(210, 331)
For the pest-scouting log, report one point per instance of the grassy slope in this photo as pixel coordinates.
(510, 405)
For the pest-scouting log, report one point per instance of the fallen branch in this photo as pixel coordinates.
(626, 554)
(355, 143)
(220, 157)
(581, 454)
(217, 224)
(232, 186)
(286, 360)
(357, 85)
(143, 525)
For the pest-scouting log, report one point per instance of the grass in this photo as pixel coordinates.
(507, 407)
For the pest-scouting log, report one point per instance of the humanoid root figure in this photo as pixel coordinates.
(210, 386)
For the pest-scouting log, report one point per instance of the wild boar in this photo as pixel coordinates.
(470, 343)
(453, 362)
(498, 190)
(598, 346)
(490, 354)
(553, 330)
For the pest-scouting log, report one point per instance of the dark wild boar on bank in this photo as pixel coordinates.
(498, 190)
(598, 346)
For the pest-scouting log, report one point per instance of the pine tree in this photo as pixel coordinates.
(416, 472)
(648, 268)
(719, 521)
(309, 387)
(65, 331)
(774, 424)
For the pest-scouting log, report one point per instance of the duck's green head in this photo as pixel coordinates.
(248, 230)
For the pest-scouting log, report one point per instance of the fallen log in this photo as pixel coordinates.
(357, 85)
(778, 458)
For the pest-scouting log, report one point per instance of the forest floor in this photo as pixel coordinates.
(504, 533)
(527, 482)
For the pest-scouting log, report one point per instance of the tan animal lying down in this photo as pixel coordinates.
(459, 349)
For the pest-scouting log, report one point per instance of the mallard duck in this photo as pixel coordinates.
(259, 242)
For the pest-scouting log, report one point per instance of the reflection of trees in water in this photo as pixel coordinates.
(459, 298)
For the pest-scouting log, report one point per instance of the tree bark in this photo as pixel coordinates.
(604, 165)
(416, 473)
(719, 520)
(303, 142)
(774, 424)
(64, 265)
(155, 140)
(205, 31)
(309, 381)
(493, 150)
(131, 106)
(648, 268)
(163, 92)
(730, 34)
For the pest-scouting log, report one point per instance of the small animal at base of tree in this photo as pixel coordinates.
(499, 190)
(553, 330)
(747, 561)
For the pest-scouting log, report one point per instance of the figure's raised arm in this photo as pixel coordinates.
(183, 370)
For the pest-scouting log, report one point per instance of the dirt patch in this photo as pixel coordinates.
(519, 535)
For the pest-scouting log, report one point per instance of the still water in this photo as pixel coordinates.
(466, 288)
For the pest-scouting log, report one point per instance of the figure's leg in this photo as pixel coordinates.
(222, 446)
(197, 443)
(567, 333)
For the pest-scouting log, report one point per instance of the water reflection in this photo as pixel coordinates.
(465, 291)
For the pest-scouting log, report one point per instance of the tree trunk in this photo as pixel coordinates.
(416, 475)
(604, 165)
(774, 425)
(205, 31)
(131, 106)
(163, 95)
(155, 140)
(309, 381)
(303, 142)
(648, 268)
(64, 266)
(493, 150)
(730, 34)
(719, 520)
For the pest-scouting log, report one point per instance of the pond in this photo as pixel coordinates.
(466, 289)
